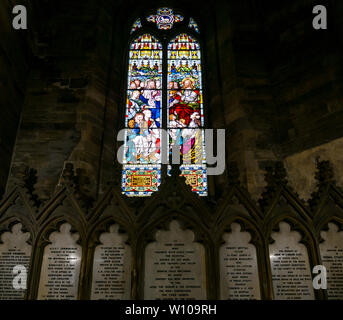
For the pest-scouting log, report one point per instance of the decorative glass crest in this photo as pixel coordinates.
(165, 18)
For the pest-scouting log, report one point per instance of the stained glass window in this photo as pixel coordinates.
(181, 107)
(185, 109)
(193, 25)
(137, 25)
(165, 18)
(142, 161)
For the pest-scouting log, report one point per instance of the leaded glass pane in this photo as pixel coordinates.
(193, 25)
(185, 109)
(142, 153)
(137, 25)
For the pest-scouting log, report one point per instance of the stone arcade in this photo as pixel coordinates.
(168, 250)
(264, 224)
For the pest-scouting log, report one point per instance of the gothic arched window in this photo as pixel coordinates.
(164, 92)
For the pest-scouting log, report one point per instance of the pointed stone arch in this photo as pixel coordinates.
(162, 223)
(54, 225)
(306, 239)
(122, 253)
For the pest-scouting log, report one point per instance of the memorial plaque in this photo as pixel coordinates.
(292, 278)
(14, 252)
(239, 279)
(112, 267)
(60, 270)
(175, 266)
(331, 251)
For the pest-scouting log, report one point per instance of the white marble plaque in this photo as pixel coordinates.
(331, 251)
(239, 278)
(175, 266)
(112, 267)
(292, 278)
(14, 251)
(60, 271)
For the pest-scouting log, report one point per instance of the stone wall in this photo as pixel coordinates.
(68, 95)
(262, 84)
(306, 76)
(301, 166)
(14, 60)
(245, 90)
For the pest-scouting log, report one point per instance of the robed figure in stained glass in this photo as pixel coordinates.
(185, 102)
